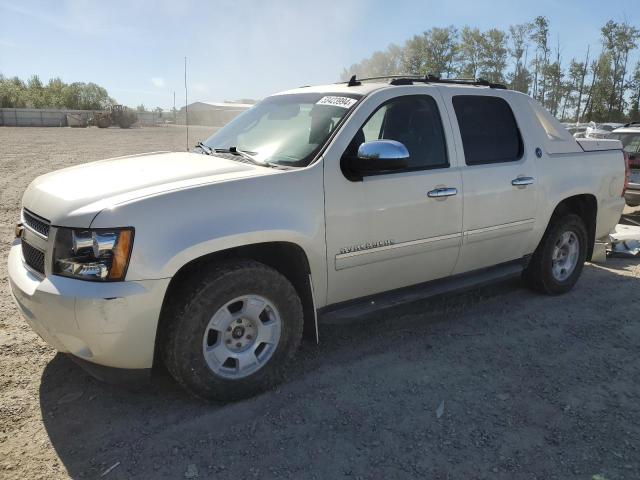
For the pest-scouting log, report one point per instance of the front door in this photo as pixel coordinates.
(386, 230)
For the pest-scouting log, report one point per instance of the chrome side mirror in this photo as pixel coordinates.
(380, 156)
(383, 150)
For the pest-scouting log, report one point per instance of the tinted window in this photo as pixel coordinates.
(488, 129)
(412, 120)
(630, 142)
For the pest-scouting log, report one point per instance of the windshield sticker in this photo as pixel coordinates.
(343, 102)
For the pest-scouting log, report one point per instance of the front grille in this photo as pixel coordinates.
(36, 223)
(33, 257)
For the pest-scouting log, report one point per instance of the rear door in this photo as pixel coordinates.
(499, 178)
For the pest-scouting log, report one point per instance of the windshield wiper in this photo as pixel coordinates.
(246, 155)
(205, 148)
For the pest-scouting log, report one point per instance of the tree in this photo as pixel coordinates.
(440, 49)
(470, 52)
(618, 39)
(433, 52)
(520, 79)
(493, 55)
(540, 36)
(413, 56)
(556, 87)
(54, 93)
(14, 93)
(583, 74)
(601, 87)
(380, 63)
(599, 90)
(634, 86)
(35, 92)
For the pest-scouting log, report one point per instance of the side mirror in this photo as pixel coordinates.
(379, 156)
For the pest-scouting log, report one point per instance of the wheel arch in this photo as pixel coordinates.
(287, 258)
(586, 207)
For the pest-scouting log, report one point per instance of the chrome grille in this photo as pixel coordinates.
(36, 223)
(33, 257)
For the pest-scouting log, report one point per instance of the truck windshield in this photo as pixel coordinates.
(285, 129)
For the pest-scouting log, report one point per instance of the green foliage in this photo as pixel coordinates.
(15, 93)
(524, 58)
(634, 86)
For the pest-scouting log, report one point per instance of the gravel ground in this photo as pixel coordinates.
(496, 383)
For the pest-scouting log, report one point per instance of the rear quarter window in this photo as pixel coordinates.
(488, 129)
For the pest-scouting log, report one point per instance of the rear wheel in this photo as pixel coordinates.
(232, 333)
(125, 122)
(559, 259)
(103, 121)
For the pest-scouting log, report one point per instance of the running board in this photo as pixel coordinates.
(457, 283)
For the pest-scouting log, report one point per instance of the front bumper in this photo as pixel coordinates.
(110, 324)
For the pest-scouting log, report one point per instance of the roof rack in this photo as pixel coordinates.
(410, 79)
(630, 124)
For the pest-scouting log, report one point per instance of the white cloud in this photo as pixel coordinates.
(158, 82)
(74, 16)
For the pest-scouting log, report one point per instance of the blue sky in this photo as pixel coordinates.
(245, 48)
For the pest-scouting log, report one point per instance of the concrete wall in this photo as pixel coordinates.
(36, 117)
(50, 117)
(151, 119)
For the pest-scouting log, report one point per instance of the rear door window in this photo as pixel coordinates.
(488, 128)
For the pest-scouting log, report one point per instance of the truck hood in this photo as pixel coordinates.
(74, 196)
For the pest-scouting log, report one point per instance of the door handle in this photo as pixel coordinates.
(522, 181)
(442, 192)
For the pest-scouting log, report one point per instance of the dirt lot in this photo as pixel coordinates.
(497, 383)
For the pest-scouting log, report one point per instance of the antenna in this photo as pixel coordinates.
(186, 102)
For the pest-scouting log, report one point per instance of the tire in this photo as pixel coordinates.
(103, 121)
(540, 274)
(196, 322)
(125, 122)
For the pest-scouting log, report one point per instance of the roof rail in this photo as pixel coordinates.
(631, 124)
(410, 79)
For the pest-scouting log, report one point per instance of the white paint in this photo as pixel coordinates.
(184, 206)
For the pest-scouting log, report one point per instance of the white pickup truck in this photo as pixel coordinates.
(319, 200)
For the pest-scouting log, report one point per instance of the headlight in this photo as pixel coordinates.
(98, 255)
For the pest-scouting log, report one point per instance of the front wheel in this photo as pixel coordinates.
(559, 259)
(232, 333)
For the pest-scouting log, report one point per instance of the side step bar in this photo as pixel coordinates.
(457, 283)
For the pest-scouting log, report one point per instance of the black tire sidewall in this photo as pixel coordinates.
(189, 366)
